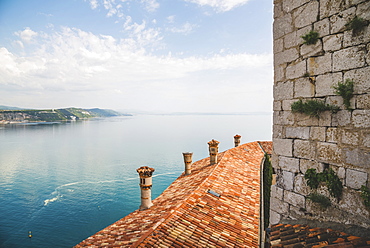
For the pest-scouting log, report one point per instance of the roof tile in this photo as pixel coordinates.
(186, 215)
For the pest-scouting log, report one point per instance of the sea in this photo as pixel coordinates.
(62, 182)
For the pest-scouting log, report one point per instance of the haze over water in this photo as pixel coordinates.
(65, 182)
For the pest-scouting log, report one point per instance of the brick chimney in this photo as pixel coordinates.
(213, 151)
(188, 159)
(237, 140)
(145, 174)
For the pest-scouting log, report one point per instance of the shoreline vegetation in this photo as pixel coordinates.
(52, 116)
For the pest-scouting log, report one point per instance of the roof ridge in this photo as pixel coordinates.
(184, 201)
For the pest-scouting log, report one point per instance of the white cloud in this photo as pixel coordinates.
(27, 35)
(171, 19)
(115, 7)
(220, 5)
(150, 5)
(74, 67)
(187, 28)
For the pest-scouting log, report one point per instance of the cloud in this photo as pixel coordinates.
(27, 35)
(150, 5)
(115, 7)
(187, 28)
(171, 19)
(75, 67)
(220, 5)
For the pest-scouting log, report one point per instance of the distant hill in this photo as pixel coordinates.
(11, 114)
(2, 107)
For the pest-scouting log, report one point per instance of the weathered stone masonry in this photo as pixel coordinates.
(340, 141)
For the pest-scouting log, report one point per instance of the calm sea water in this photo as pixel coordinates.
(64, 182)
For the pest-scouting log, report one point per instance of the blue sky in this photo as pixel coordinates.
(153, 55)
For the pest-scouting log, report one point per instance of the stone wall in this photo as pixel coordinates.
(341, 140)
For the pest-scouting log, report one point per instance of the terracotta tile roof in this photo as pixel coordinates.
(187, 215)
(303, 236)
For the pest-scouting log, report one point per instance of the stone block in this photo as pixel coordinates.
(350, 137)
(361, 118)
(289, 55)
(283, 118)
(300, 185)
(342, 118)
(291, 40)
(357, 157)
(366, 139)
(283, 147)
(282, 25)
(339, 21)
(336, 100)
(355, 179)
(322, 27)
(276, 106)
(318, 133)
(279, 73)
(276, 192)
(289, 5)
(277, 131)
(363, 101)
(360, 78)
(283, 90)
(278, 206)
(331, 7)
(304, 149)
(363, 10)
(289, 164)
(349, 58)
(332, 135)
(305, 164)
(306, 14)
(278, 8)
(324, 83)
(305, 120)
(333, 42)
(287, 105)
(296, 70)
(295, 212)
(319, 65)
(287, 180)
(352, 203)
(325, 119)
(303, 88)
(341, 172)
(329, 153)
(274, 217)
(311, 50)
(297, 132)
(294, 199)
(278, 45)
(352, 40)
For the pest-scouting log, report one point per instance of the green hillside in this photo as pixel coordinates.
(50, 115)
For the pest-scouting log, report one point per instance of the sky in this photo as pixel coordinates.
(137, 55)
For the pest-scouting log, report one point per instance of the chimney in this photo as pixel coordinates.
(188, 160)
(237, 140)
(213, 151)
(145, 173)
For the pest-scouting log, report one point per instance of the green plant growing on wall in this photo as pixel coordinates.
(328, 176)
(267, 181)
(310, 38)
(320, 199)
(357, 24)
(312, 178)
(365, 195)
(312, 108)
(345, 90)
